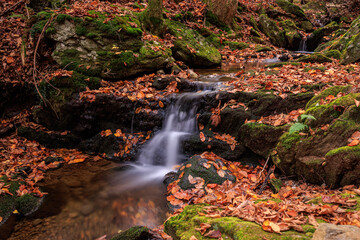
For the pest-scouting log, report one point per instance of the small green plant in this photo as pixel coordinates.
(301, 126)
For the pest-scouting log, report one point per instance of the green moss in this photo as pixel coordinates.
(183, 225)
(354, 151)
(314, 58)
(277, 200)
(262, 48)
(288, 140)
(214, 20)
(134, 233)
(27, 204)
(322, 68)
(291, 8)
(204, 54)
(61, 18)
(41, 19)
(329, 91)
(236, 45)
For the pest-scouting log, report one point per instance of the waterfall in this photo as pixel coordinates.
(180, 121)
(302, 46)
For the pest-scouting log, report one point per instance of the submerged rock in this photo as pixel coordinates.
(137, 233)
(327, 231)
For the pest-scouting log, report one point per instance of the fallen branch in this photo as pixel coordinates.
(265, 182)
(10, 8)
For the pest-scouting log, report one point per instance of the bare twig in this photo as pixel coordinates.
(10, 8)
(267, 160)
(265, 182)
(34, 60)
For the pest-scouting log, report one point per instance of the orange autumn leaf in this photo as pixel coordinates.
(161, 104)
(354, 142)
(202, 137)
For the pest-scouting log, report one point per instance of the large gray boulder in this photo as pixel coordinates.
(328, 231)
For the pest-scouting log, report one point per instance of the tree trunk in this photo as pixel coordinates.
(152, 18)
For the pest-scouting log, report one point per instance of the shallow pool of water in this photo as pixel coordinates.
(110, 201)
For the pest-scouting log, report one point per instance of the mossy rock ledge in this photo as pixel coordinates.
(348, 44)
(324, 157)
(183, 226)
(111, 50)
(137, 233)
(191, 47)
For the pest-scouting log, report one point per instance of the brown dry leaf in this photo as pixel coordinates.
(215, 120)
(201, 126)
(357, 191)
(1, 219)
(274, 227)
(213, 234)
(356, 135)
(193, 238)
(77, 160)
(313, 221)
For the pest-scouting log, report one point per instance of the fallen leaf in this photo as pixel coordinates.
(202, 137)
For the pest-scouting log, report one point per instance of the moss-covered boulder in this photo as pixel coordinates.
(184, 225)
(110, 50)
(348, 44)
(317, 36)
(224, 10)
(25, 204)
(314, 58)
(137, 233)
(192, 48)
(292, 34)
(260, 138)
(211, 170)
(291, 8)
(324, 157)
(271, 30)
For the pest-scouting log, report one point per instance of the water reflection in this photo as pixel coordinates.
(112, 201)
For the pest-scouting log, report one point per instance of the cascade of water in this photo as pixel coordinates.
(303, 46)
(180, 121)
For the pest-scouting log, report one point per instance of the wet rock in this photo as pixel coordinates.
(198, 166)
(314, 58)
(137, 233)
(194, 145)
(327, 231)
(51, 140)
(275, 185)
(183, 85)
(192, 48)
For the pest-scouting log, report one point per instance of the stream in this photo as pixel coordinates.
(90, 200)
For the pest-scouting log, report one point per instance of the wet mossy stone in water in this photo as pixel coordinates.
(197, 166)
(192, 48)
(184, 225)
(136, 233)
(314, 58)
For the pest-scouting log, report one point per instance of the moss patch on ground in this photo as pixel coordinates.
(183, 225)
